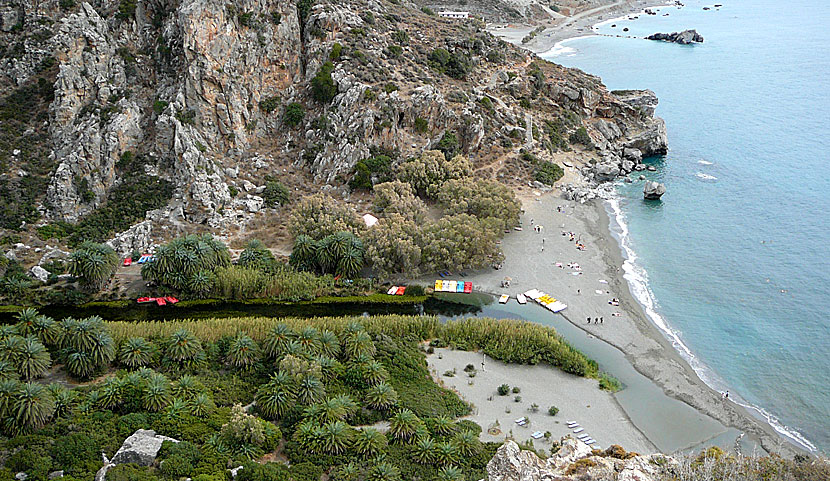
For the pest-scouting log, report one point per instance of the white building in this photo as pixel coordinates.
(461, 15)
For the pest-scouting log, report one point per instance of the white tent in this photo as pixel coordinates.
(369, 220)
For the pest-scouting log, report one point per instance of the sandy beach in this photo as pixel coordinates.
(586, 280)
(577, 398)
(577, 25)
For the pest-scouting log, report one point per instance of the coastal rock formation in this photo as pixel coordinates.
(140, 448)
(686, 37)
(653, 190)
(575, 460)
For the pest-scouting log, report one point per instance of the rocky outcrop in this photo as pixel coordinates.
(653, 190)
(140, 448)
(575, 461)
(137, 238)
(686, 37)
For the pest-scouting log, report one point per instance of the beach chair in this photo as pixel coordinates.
(578, 430)
(583, 436)
(537, 435)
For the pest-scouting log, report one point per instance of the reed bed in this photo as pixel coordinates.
(506, 340)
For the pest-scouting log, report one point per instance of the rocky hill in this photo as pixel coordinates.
(174, 114)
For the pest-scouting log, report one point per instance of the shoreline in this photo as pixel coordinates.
(579, 25)
(644, 346)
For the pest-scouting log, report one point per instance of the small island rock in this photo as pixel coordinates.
(653, 190)
(686, 37)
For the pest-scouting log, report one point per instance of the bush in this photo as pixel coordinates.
(504, 390)
(319, 215)
(187, 263)
(336, 49)
(94, 264)
(323, 88)
(394, 51)
(482, 198)
(548, 173)
(428, 11)
(275, 194)
(580, 136)
(269, 104)
(553, 410)
(294, 114)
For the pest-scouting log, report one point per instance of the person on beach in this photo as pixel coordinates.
(578, 292)
(727, 395)
(589, 320)
(601, 320)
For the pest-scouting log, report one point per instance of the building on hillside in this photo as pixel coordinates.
(459, 15)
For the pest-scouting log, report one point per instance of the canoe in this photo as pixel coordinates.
(521, 298)
(400, 291)
(449, 286)
(171, 299)
(145, 299)
(468, 287)
(459, 287)
(160, 301)
(438, 285)
(128, 262)
(503, 299)
(392, 290)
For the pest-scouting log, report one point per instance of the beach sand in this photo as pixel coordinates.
(530, 263)
(577, 398)
(570, 27)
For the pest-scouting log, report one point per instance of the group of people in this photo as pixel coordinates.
(597, 320)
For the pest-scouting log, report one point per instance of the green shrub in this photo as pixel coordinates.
(390, 87)
(580, 136)
(323, 88)
(428, 11)
(246, 19)
(400, 37)
(553, 410)
(126, 9)
(394, 51)
(276, 18)
(57, 230)
(548, 173)
(275, 193)
(609, 383)
(336, 49)
(269, 104)
(504, 390)
(294, 114)
(486, 103)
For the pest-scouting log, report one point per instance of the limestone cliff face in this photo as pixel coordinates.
(197, 91)
(576, 461)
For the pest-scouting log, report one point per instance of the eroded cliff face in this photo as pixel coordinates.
(196, 91)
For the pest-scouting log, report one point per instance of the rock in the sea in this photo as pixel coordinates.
(685, 37)
(141, 448)
(653, 190)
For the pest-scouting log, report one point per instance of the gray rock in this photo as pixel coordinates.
(642, 177)
(21, 476)
(633, 155)
(39, 273)
(639, 167)
(235, 471)
(685, 37)
(56, 474)
(644, 100)
(137, 238)
(11, 17)
(140, 448)
(653, 190)
(651, 168)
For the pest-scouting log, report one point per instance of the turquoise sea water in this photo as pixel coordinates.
(734, 263)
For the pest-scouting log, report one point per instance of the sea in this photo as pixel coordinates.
(733, 264)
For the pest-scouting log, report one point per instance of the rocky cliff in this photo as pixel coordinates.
(576, 461)
(180, 108)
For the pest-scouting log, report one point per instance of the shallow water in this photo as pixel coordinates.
(736, 258)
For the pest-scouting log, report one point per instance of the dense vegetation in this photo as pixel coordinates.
(93, 265)
(317, 387)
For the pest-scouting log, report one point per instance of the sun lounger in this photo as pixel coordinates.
(537, 435)
(589, 441)
(438, 285)
(572, 422)
(578, 430)
(521, 420)
(583, 436)
(142, 300)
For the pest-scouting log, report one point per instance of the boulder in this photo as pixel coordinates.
(653, 190)
(140, 448)
(56, 474)
(685, 37)
(633, 155)
(39, 273)
(605, 171)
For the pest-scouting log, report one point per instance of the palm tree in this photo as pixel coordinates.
(384, 472)
(63, 399)
(450, 473)
(304, 253)
(176, 409)
(103, 348)
(443, 426)
(347, 404)
(446, 454)
(309, 339)
(30, 323)
(325, 258)
(306, 436)
(11, 348)
(33, 406)
(78, 334)
(7, 331)
(358, 343)
(136, 352)
(340, 242)
(310, 390)
(276, 340)
(111, 393)
(374, 372)
(243, 352)
(183, 347)
(466, 443)
(201, 405)
(350, 264)
(80, 365)
(8, 370)
(94, 264)
(201, 283)
(403, 425)
(381, 396)
(156, 393)
(329, 367)
(274, 399)
(329, 344)
(33, 359)
(186, 387)
(335, 437)
(8, 390)
(423, 451)
(331, 410)
(347, 472)
(314, 413)
(369, 442)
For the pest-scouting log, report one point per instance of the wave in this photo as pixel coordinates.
(701, 175)
(559, 48)
(637, 279)
(705, 162)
